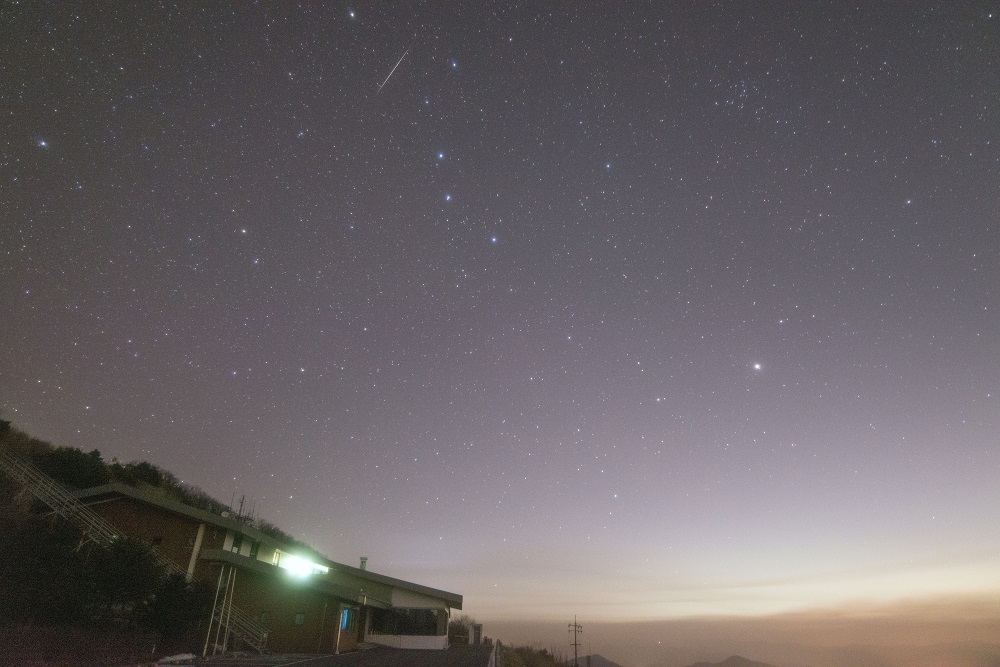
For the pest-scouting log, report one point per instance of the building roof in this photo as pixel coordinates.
(454, 599)
(107, 492)
(98, 494)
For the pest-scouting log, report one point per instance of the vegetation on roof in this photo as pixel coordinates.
(77, 470)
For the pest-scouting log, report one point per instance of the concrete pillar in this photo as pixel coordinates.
(195, 551)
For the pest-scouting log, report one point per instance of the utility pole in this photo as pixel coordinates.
(577, 630)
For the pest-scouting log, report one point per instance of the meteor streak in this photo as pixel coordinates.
(394, 68)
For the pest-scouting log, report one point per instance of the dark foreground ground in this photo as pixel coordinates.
(25, 646)
(455, 656)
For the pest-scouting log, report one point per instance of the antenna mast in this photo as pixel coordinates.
(577, 630)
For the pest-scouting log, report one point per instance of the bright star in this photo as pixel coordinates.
(447, 197)
(757, 367)
(440, 156)
(493, 239)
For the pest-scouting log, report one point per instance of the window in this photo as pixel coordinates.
(404, 621)
(349, 619)
(254, 548)
(300, 619)
(265, 618)
(237, 542)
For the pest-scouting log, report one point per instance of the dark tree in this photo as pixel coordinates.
(126, 578)
(73, 467)
(177, 607)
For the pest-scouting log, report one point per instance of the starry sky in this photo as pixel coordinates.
(623, 310)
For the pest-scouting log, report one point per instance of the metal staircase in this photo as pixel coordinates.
(228, 619)
(91, 525)
(95, 528)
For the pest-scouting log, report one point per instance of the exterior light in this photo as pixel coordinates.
(300, 567)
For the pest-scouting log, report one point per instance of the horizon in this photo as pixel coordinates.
(897, 633)
(626, 311)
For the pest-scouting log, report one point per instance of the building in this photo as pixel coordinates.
(273, 594)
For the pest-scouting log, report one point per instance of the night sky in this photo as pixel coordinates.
(609, 309)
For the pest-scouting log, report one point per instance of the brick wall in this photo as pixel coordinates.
(173, 534)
